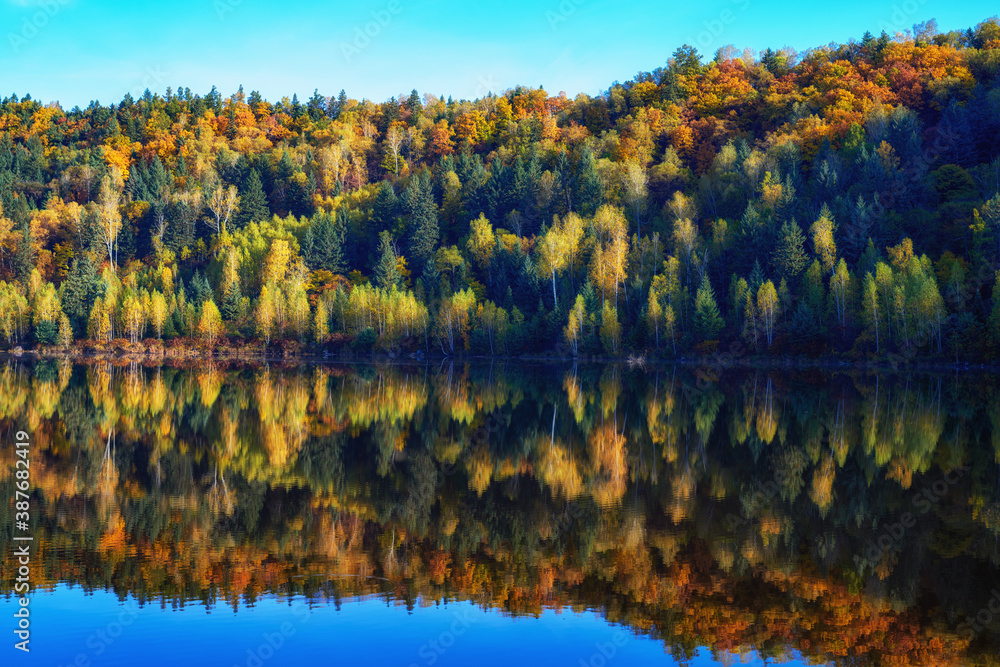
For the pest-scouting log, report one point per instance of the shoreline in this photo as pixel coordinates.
(185, 356)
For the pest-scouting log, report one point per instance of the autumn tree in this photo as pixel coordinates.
(109, 219)
(223, 202)
(824, 244)
(767, 306)
(573, 333)
(210, 322)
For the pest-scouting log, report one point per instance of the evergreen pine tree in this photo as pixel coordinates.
(231, 302)
(309, 246)
(387, 270)
(707, 320)
(386, 207)
(756, 277)
(253, 202)
(334, 244)
(789, 258)
(79, 292)
(24, 255)
(424, 231)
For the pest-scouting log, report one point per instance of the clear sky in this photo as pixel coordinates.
(75, 51)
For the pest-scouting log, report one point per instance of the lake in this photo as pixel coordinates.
(490, 514)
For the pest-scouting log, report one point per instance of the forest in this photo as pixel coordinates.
(839, 202)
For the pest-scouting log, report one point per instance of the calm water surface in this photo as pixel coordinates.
(503, 514)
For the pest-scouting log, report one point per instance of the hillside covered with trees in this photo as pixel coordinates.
(844, 200)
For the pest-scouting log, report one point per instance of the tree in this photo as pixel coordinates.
(573, 332)
(133, 316)
(65, 335)
(870, 307)
(387, 273)
(394, 141)
(823, 242)
(423, 223)
(654, 315)
(265, 315)
(685, 238)
(789, 259)
(670, 325)
(611, 330)
(277, 262)
(707, 320)
(481, 244)
(767, 306)
(109, 219)
(323, 247)
(99, 325)
(210, 322)
(493, 322)
(589, 193)
(79, 291)
(452, 320)
(840, 285)
(554, 255)
(686, 61)
(252, 201)
(607, 264)
(222, 202)
(158, 312)
(24, 254)
(885, 285)
(636, 191)
(321, 326)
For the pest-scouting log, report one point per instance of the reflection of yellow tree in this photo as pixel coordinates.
(606, 447)
(575, 396)
(480, 468)
(767, 420)
(209, 385)
(611, 388)
(557, 469)
(821, 492)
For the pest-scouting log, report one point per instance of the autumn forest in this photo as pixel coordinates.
(843, 201)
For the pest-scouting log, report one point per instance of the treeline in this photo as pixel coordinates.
(845, 200)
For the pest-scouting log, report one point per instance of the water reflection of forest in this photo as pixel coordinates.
(843, 516)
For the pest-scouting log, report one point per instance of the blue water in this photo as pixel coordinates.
(71, 627)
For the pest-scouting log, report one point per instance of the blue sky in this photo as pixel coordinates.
(75, 51)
